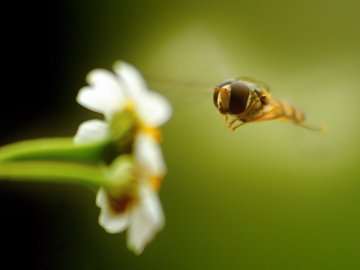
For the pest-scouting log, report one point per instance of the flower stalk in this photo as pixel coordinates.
(53, 149)
(54, 171)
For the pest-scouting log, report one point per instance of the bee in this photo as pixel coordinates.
(246, 101)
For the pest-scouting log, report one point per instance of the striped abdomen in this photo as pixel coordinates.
(290, 112)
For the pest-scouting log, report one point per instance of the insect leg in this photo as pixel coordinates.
(239, 125)
(233, 121)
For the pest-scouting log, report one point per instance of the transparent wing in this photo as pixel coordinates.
(186, 93)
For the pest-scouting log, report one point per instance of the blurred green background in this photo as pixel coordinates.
(268, 196)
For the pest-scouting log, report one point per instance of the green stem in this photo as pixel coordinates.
(51, 171)
(53, 149)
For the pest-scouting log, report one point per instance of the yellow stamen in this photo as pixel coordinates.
(154, 132)
(155, 182)
(129, 105)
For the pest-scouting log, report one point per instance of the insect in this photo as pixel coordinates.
(246, 101)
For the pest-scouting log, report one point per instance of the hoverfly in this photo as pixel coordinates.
(246, 101)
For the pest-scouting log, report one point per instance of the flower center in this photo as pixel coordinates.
(154, 132)
(121, 204)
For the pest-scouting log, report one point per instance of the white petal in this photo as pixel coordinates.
(91, 131)
(146, 220)
(102, 77)
(104, 94)
(111, 221)
(92, 100)
(148, 155)
(131, 79)
(153, 109)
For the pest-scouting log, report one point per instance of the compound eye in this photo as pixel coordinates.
(215, 96)
(226, 82)
(239, 97)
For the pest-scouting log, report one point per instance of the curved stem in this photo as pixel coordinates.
(53, 171)
(53, 149)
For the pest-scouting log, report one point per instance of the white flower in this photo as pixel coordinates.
(143, 219)
(139, 211)
(109, 93)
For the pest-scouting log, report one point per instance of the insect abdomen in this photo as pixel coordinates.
(291, 113)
